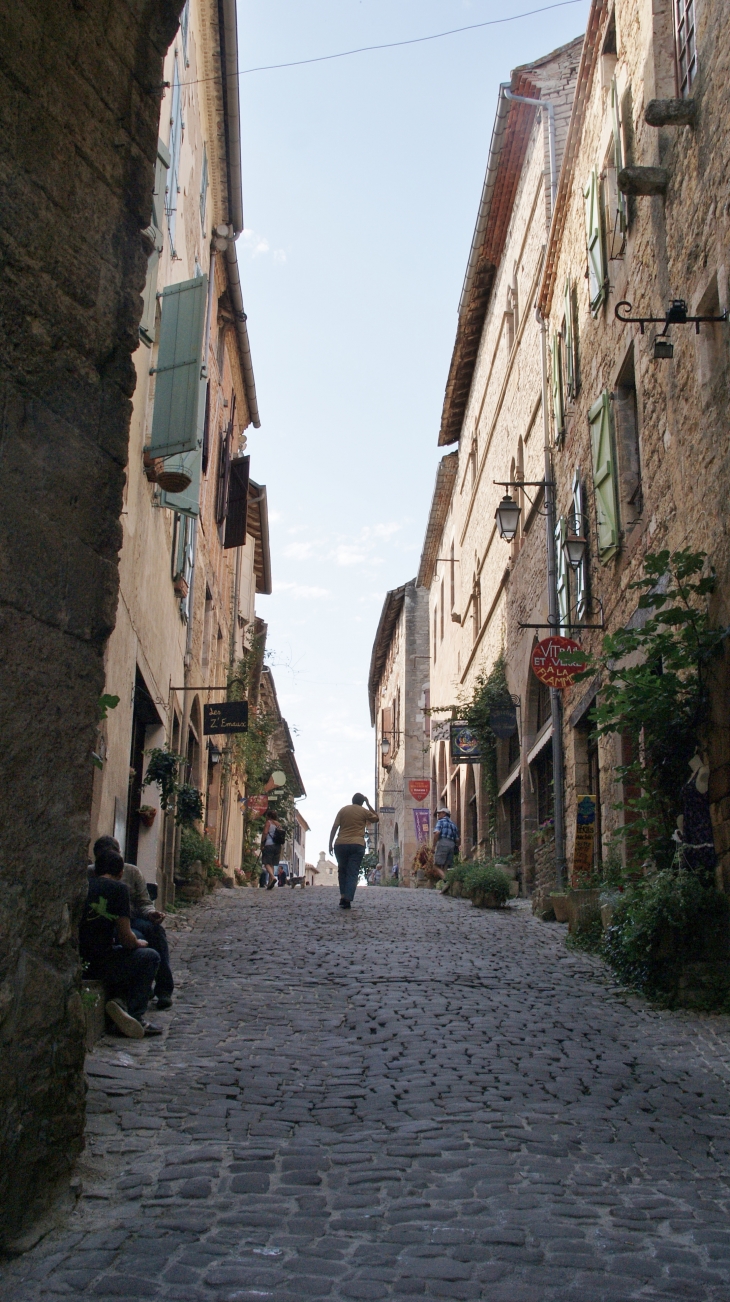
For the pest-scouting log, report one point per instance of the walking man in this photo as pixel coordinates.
(445, 842)
(350, 844)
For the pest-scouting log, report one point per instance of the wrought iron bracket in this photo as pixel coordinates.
(525, 483)
(676, 315)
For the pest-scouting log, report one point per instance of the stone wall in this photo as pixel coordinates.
(80, 98)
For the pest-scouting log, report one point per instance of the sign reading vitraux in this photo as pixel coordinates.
(548, 665)
(230, 716)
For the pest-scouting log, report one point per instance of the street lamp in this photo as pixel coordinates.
(576, 544)
(385, 746)
(507, 516)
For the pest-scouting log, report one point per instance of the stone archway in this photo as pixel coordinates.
(82, 83)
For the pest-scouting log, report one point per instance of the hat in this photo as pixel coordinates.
(443, 810)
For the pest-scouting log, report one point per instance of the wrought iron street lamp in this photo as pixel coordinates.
(507, 516)
(576, 544)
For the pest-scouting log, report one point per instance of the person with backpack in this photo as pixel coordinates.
(272, 839)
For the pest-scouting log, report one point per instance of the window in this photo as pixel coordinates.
(556, 348)
(148, 323)
(178, 417)
(615, 215)
(442, 610)
(224, 466)
(204, 188)
(176, 135)
(435, 634)
(476, 607)
(452, 576)
(580, 525)
(594, 242)
(685, 44)
(570, 342)
(542, 777)
(562, 568)
(604, 477)
(513, 750)
(626, 421)
(184, 31)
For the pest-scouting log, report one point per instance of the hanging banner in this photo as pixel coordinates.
(547, 662)
(464, 745)
(585, 830)
(258, 805)
(503, 719)
(422, 823)
(419, 788)
(229, 716)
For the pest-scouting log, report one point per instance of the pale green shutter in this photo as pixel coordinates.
(178, 420)
(149, 295)
(618, 215)
(557, 379)
(569, 344)
(561, 530)
(187, 502)
(594, 240)
(604, 476)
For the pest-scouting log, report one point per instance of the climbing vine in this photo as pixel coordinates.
(490, 692)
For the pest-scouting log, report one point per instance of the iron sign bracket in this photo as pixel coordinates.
(676, 315)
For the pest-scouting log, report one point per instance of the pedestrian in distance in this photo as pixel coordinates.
(272, 839)
(349, 848)
(111, 951)
(445, 843)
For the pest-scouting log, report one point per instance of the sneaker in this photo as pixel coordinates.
(345, 904)
(164, 1001)
(149, 1029)
(128, 1026)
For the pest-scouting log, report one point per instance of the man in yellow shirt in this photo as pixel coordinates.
(350, 844)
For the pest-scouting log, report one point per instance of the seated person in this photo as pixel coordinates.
(112, 952)
(281, 875)
(146, 922)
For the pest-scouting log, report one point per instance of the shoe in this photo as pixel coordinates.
(149, 1029)
(271, 886)
(163, 1001)
(128, 1026)
(345, 904)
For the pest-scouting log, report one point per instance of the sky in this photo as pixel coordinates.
(361, 183)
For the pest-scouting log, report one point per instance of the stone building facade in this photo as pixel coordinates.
(398, 691)
(646, 98)
(493, 409)
(189, 567)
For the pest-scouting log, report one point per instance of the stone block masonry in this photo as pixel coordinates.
(446, 1104)
(80, 96)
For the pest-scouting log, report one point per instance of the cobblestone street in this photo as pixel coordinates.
(417, 1099)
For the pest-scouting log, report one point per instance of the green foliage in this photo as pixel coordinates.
(587, 937)
(370, 861)
(487, 879)
(661, 923)
(457, 873)
(654, 693)
(163, 768)
(194, 846)
(188, 805)
(490, 691)
(107, 703)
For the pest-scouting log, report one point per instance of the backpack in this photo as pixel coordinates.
(279, 836)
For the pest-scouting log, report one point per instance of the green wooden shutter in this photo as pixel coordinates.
(557, 382)
(176, 132)
(594, 240)
(618, 215)
(569, 341)
(237, 509)
(149, 295)
(178, 419)
(187, 502)
(604, 476)
(561, 530)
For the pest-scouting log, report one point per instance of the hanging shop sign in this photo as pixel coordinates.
(387, 809)
(464, 744)
(503, 719)
(258, 805)
(585, 830)
(422, 824)
(231, 716)
(547, 662)
(419, 788)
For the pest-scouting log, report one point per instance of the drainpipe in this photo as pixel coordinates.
(232, 663)
(556, 702)
(541, 104)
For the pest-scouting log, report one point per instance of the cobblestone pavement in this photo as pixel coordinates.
(416, 1099)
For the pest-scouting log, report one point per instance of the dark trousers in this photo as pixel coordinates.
(131, 972)
(349, 858)
(154, 934)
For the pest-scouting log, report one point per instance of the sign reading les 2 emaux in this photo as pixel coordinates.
(231, 716)
(547, 661)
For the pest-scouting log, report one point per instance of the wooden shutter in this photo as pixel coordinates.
(235, 535)
(594, 241)
(149, 295)
(176, 130)
(616, 212)
(604, 476)
(581, 528)
(561, 530)
(557, 382)
(178, 419)
(386, 731)
(187, 502)
(569, 337)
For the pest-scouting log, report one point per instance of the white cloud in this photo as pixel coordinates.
(279, 255)
(274, 516)
(301, 590)
(385, 530)
(300, 551)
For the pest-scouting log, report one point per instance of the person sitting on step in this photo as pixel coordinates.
(146, 922)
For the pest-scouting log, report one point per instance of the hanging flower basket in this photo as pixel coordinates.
(147, 814)
(180, 585)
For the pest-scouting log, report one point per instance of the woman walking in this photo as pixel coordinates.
(272, 839)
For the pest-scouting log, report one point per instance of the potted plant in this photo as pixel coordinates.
(559, 901)
(147, 815)
(487, 885)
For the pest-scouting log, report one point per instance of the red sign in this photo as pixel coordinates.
(258, 805)
(419, 788)
(546, 661)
